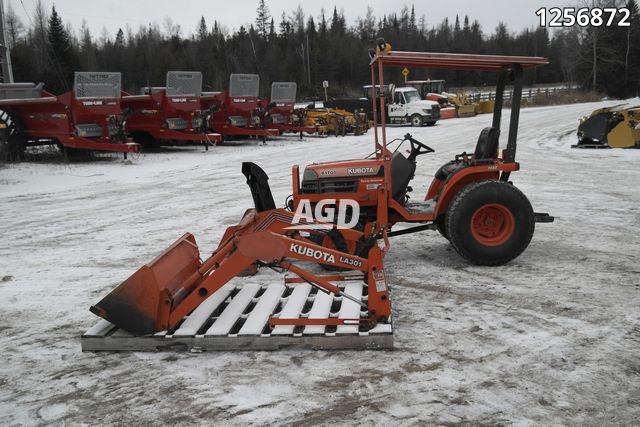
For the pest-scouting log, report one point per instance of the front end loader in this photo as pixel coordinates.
(159, 295)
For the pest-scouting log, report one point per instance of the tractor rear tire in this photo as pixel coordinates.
(490, 222)
(417, 120)
(441, 225)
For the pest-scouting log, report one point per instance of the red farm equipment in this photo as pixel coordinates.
(471, 200)
(169, 115)
(237, 112)
(281, 113)
(88, 118)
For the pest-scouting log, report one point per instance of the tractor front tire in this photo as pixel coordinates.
(335, 240)
(490, 222)
(417, 120)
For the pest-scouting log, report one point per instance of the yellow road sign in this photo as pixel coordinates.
(405, 71)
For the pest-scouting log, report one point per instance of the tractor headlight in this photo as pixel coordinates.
(309, 175)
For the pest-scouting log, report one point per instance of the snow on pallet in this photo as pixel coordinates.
(236, 318)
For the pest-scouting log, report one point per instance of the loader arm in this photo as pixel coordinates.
(159, 295)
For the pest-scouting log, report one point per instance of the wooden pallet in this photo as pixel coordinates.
(236, 318)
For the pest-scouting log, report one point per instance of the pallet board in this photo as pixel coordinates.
(236, 318)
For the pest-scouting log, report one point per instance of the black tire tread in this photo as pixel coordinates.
(454, 234)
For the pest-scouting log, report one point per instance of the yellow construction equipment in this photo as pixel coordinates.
(484, 107)
(338, 122)
(610, 127)
(463, 105)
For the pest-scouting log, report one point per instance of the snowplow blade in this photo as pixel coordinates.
(138, 304)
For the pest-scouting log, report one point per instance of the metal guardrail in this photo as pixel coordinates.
(527, 93)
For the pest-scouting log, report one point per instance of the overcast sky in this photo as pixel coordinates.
(114, 14)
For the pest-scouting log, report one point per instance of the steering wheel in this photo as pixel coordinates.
(418, 147)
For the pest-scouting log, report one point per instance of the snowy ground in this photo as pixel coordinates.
(552, 338)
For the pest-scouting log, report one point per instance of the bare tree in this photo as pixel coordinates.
(15, 27)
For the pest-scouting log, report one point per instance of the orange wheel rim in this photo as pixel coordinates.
(492, 224)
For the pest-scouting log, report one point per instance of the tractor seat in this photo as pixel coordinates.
(486, 149)
(402, 171)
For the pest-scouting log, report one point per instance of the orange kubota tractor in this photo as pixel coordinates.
(471, 201)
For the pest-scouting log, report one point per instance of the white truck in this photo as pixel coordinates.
(405, 105)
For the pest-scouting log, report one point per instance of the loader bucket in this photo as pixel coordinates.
(141, 304)
(594, 130)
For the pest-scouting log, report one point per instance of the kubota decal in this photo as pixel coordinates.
(312, 253)
(360, 171)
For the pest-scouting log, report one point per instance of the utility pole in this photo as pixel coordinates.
(5, 55)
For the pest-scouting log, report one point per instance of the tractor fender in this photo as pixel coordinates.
(462, 178)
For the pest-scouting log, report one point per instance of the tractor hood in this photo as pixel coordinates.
(347, 168)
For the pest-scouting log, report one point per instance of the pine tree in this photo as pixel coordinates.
(202, 29)
(323, 24)
(272, 30)
(412, 19)
(284, 25)
(119, 43)
(61, 50)
(262, 19)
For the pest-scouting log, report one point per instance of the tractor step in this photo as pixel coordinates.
(236, 317)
